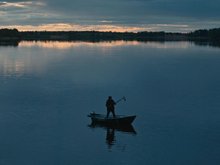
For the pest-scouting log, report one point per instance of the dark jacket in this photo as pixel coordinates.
(110, 104)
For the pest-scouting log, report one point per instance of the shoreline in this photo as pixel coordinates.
(13, 36)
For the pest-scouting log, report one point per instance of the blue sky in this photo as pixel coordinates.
(114, 15)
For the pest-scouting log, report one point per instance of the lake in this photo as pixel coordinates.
(47, 89)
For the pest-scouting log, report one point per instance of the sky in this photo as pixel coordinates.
(110, 15)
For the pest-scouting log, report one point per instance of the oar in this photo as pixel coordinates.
(123, 98)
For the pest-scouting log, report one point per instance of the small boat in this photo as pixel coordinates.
(118, 120)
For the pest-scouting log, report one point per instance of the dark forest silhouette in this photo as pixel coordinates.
(203, 37)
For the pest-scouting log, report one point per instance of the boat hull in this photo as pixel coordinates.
(118, 120)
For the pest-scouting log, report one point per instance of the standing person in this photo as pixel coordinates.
(110, 104)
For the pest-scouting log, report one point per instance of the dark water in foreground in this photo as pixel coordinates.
(47, 90)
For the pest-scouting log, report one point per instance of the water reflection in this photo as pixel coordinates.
(12, 43)
(68, 44)
(110, 137)
(111, 130)
(35, 57)
(62, 45)
(71, 44)
(207, 43)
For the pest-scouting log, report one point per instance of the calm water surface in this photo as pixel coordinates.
(47, 90)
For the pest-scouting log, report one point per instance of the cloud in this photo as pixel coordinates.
(102, 27)
(138, 8)
(149, 14)
(77, 27)
(19, 4)
(137, 12)
(22, 12)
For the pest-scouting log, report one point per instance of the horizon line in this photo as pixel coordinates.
(179, 28)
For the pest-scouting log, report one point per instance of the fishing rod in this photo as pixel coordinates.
(123, 98)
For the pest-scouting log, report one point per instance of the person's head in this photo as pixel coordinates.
(109, 97)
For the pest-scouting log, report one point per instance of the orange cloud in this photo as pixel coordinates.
(76, 27)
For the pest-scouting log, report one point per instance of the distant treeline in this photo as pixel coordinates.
(13, 35)
(96, 36)
(212, 34)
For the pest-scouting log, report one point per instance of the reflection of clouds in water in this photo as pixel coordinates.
(107, 44)
(17, 61)
(35, 57)
(11, 66)
(68, 45)
(170, 45)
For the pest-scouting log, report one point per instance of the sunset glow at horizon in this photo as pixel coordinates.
(100, 28)
(75, 27)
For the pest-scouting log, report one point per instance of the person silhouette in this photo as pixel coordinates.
(110, 105)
